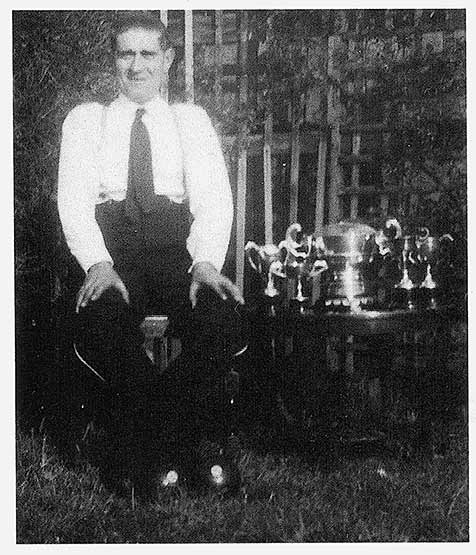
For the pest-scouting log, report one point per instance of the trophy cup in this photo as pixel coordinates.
(301, 262)
(407, 286)
(266, 260)
(429, 252)
(347, 248)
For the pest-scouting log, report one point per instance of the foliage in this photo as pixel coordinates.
(60, 59)
(421, 96)
(292, 53)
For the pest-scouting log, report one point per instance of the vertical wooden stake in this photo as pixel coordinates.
(267, 175)
(294, 178)
(241, 216)
(242, 158)
(321, 183)
(354, 199)
(294, 174)
(334, 110)
(319, 209)
(165, 87)
(384, 204)
(189, 92)
(218, 54)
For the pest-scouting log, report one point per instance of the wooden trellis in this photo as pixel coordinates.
(324, 139)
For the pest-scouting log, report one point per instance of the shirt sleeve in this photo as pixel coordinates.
(208, 189)
(78, 183)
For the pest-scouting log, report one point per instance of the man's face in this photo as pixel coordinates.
(141, 64)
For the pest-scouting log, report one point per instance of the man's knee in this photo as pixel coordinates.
(109, 306)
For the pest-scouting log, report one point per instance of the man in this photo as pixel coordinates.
(146, 209)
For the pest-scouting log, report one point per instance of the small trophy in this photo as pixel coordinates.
(429, 252)
(407, 286)
(266, 260)
(302, 260)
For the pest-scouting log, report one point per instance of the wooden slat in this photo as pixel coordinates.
(189, 92)
(218, 54)
(334, 121)
(335, 175)
(319, 207)
(267, 178)
(241, 217)
(165, 89)
(242, 159)
(294, 173)
(243, 56)
(320, 183)
(384, 204)
(354, 199)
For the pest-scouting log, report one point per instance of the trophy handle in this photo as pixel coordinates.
(319, 243)
(276, 269)
(423, 234)
(393, 223)
(250, 247)
(291, 235)
(318, 267)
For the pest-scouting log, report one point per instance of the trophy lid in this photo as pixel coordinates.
(346, 238)
(345, 227)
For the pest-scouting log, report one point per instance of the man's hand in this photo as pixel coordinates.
(100, 277)
(205, 274)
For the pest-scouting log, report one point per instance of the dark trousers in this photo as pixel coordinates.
(155, 413)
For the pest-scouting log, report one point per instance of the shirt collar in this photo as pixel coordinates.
(155, 105)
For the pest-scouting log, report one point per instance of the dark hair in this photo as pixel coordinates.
(126, 20)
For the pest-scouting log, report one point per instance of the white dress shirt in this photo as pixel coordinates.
(187, 163)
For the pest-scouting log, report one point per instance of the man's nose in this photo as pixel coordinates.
(137, 63)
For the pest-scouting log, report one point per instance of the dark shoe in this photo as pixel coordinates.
(216, 469)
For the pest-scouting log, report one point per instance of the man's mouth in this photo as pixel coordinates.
(137, 79)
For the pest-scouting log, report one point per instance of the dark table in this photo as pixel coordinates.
(365, 373)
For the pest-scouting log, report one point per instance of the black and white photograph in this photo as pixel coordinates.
(240, 258)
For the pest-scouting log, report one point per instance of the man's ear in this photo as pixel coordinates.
(169, 57)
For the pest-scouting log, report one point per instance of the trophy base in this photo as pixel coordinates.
(299, 306)
(407, 299)
(429, 298)
(343, 304)
(270, 306)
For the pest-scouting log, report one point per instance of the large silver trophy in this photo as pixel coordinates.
(347, 248)
(267, 261)
(302, 260)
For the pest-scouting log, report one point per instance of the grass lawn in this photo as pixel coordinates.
(366, 498)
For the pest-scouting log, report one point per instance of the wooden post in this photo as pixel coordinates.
(319, 209)
(242, 159)
(267, 178)
(321, 182)
(294, 174)
(354, 199)
(241, 216)
(165, 86)
(189, 92)
(355, 172)
(218, 54)
(384, 204)
(333, 119)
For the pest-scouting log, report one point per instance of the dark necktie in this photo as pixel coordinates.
(140, 182)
